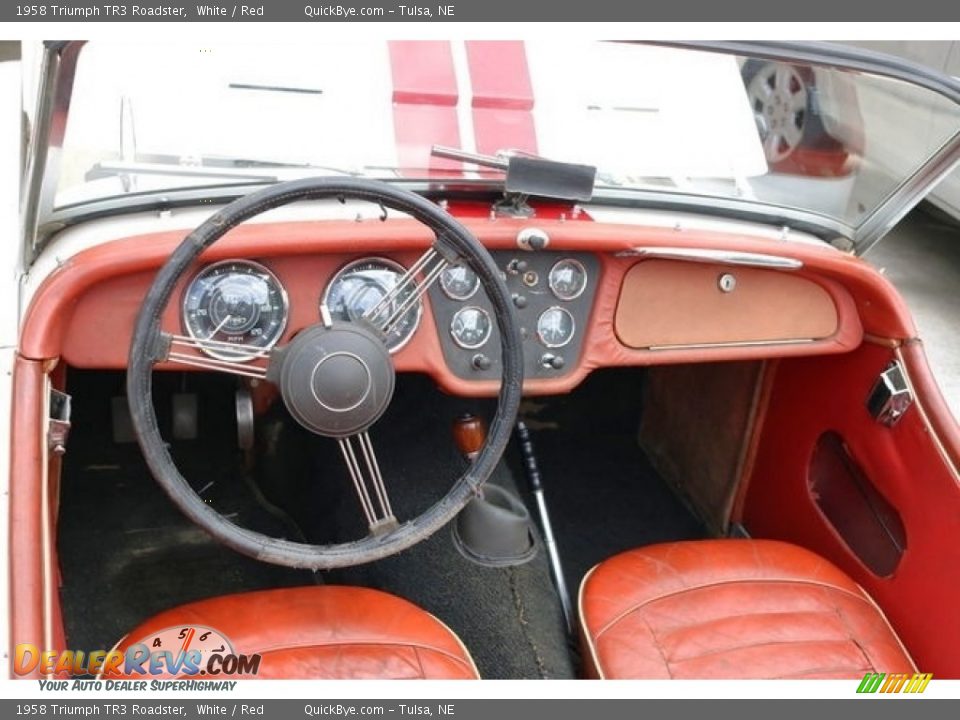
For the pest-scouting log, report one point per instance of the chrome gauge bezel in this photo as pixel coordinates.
(386, 262)
(486, 338)
(573, 327)
(257, 268)
(583, 271)
(453, 296)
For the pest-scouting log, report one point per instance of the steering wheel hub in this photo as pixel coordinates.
(336, 381)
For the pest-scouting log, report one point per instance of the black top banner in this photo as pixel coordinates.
(482, 11)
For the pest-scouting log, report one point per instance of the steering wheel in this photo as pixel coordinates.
(335, 378)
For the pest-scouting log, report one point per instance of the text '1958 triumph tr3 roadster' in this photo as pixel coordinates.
(477, 359)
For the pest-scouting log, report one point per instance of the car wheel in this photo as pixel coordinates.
(783, 100)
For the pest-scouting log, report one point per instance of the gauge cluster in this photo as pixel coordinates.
(244, 303)
(553, 295)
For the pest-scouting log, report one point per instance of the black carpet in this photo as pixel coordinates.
(602, 493)
(510, 618)
(127, 553)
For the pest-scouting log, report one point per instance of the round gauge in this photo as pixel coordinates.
(235, 301)
(555, 327)
(459, 282)
(471, 327)
(568, 279)
(361, 285)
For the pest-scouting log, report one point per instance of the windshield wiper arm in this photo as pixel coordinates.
(531, 174)
(491, 161)
(254, 171)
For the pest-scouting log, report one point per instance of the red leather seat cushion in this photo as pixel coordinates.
(732, 609)
(324, 632)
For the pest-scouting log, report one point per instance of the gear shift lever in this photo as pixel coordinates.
(494, 528)
(469, 434)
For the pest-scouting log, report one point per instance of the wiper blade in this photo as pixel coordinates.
(247, 170)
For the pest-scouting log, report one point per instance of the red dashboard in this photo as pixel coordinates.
(642, 308)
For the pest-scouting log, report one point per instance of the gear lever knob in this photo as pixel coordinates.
(469, 434)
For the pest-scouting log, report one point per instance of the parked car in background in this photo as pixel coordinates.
(794, 107)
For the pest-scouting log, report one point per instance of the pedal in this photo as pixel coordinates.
(184, 416)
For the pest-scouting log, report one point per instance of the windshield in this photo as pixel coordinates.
(828, 142)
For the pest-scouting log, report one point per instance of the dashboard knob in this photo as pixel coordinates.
(469, 434)
(532, 239)
(481, 362)
(549, 360)
(520, 300)
(515, 267)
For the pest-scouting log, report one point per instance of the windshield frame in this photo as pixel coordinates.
(40, 220)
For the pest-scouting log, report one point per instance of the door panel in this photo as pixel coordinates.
(906, 466)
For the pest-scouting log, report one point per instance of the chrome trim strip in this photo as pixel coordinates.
(42, 167)
(928, 426)
(47, 540)
(738, 343)
(902, 200)
(723, 257)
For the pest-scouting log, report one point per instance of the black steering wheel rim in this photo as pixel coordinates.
(143, 351)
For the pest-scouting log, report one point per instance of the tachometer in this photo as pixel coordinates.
(362, 284)
(568, 279)
(235, 301)
(470, 327)
(555, 327)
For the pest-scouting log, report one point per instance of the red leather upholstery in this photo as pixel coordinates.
(732, 609)
(324, 632)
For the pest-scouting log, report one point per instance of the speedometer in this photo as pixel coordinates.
(362, 284)
(235, 301)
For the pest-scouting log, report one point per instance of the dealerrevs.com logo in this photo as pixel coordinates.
(173, 652)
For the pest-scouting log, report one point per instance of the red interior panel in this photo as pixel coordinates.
(866, 521)
(814, 395)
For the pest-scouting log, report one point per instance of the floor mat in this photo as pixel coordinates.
(602, 493)
(127, 553)
(509, 618)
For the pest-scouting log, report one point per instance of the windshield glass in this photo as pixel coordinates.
(829, 142)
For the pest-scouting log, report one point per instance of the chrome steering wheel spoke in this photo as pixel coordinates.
(177, 349)
(405, 295)
(366, 476)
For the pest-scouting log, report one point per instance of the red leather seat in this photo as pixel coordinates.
(320, 632)
(732, 609)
